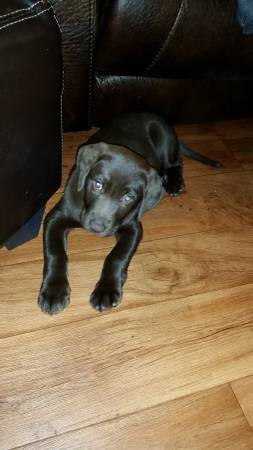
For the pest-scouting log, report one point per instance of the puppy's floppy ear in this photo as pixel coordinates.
(153, 192)
(86, 157)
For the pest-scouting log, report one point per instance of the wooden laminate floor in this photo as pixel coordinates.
(170, 368)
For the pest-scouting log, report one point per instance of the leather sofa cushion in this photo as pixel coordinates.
(176, 39)
(181, 101)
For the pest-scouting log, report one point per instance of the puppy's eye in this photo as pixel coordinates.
(127, 198)
(97, 185)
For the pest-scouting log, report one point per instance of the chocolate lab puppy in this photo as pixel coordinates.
(121, 173)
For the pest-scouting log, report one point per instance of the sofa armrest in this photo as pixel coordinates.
(30, 114)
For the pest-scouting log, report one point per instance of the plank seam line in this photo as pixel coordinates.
(239, 404)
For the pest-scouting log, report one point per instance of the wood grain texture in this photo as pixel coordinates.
(164, 269)
(218, 201)
(115, 364)
(241, 128)
(209, 420)
(170, 368)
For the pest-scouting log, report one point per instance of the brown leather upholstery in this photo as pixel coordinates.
(164, 55)
(77, 20)
(182, 101)
(30, 113)
(166, 39)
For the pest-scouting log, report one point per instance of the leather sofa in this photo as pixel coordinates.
(30, 116)
(189, 60)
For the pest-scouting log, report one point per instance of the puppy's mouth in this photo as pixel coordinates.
(104, 233)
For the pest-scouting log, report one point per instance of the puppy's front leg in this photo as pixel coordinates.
(108, 291)
(55, 290)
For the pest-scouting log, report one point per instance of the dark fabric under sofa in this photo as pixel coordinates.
(189, 60)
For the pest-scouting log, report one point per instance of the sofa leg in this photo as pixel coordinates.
(27, 232)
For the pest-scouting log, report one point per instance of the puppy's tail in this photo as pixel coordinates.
(186, 151)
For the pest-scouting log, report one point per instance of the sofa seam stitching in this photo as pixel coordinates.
(24, 19)
(62, 87)
(166, 41)
(90, 91)
(21, 10)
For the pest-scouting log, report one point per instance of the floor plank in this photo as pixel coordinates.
(218, 201)
(210, 420)
(115, 364)
(240, 144)
(211, 131)
(245, 157)
(164, 269)
(230, 129)
(243, 390)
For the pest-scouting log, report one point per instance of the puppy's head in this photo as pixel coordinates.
(114, 186)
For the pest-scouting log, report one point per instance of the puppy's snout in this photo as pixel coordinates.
(97, 225)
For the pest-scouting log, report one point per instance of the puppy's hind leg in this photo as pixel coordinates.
(173, 180)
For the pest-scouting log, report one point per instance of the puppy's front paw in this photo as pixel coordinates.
(105, 297)
(54, 297)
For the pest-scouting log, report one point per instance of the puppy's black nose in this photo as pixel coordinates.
(97, 225)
